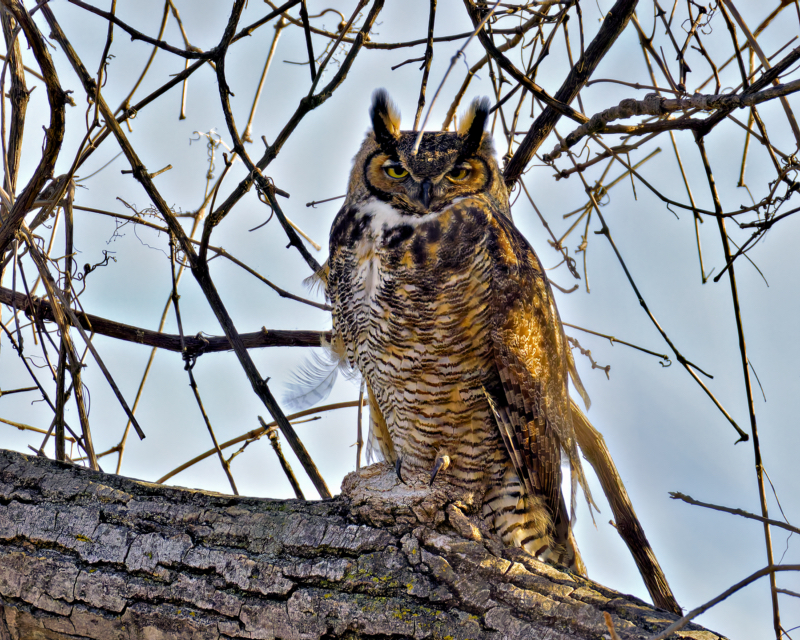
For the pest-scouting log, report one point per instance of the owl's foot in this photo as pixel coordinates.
(397, 465)
(441, 464)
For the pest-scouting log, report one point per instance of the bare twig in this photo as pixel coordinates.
(27, 427)
(199, 267)
(453, 60)
(61, 308)
(676, 495)
(248, 128)
(190, 362)
(359, 436)
(20, 390)
(765, 63)
(272, 434)
(616, 20)
(748, 388)
(426, 65)
(613, 340)
(306, 105)
(312, 65)
(254, 434)
(689, 366)
(54, 133)
(610, 626)
(680, 624)
(138, 35)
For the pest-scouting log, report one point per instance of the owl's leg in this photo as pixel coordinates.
(441, 464)
(397, 464)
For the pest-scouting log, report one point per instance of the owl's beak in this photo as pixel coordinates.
(427, 193)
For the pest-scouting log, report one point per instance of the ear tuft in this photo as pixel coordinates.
(472, 125)
(385, 118)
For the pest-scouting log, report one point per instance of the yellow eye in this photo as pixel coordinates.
(459, 174)
(395, 171)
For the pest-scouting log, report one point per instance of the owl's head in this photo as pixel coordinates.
(447, 166)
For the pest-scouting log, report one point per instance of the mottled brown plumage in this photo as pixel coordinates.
(445, 309)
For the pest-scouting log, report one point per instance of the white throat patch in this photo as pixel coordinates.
(385, 216)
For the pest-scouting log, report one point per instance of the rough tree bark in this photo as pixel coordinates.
(88, 555)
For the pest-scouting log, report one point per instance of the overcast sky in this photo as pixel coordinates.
(662, 430)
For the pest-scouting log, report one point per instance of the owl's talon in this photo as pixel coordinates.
(441, 464)
(397, 466)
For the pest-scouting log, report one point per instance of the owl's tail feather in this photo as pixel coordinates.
(565, 550)
(520, 520)
(523, 520)
(565, 555)
(518, 510)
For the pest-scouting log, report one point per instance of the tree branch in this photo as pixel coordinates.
(40, 308)
(307, 104)
(381, 560)
(54, 134)
(199, 268)
(677, 495)
(656, 105)
(138, 35)
(613, 25)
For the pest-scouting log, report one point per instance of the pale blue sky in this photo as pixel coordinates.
(664, 433)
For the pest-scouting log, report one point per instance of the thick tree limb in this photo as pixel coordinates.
(591, 442)
(88, 555)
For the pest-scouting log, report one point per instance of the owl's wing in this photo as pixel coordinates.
(533, 361)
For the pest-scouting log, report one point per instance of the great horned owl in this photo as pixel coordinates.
(444, 308)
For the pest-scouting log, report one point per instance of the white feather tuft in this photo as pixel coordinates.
(318, 282)
(312, 382)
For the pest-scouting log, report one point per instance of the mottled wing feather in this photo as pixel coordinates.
(510, 435)
(536, 440)
(532, 359)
